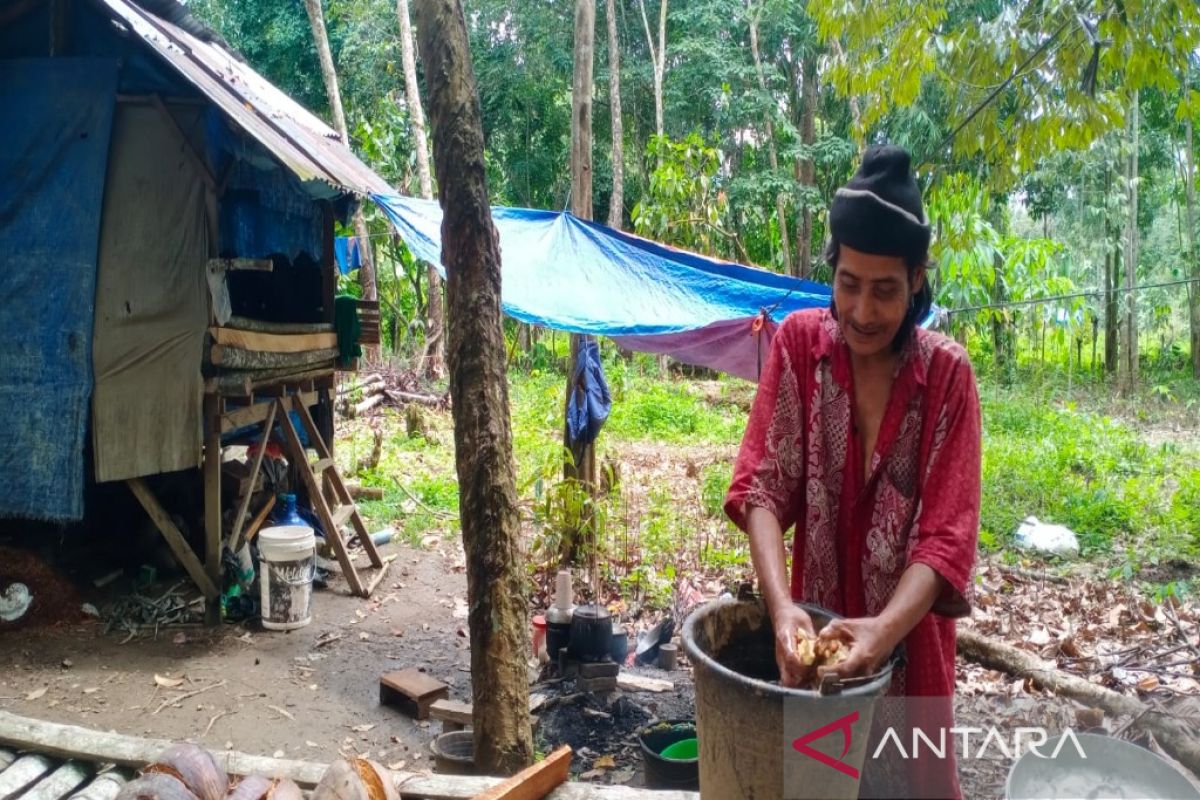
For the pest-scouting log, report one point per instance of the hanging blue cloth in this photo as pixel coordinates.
(590, 401)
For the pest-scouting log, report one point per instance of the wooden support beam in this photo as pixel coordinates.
(72, 741)
(262, 326)
(242, 264)
(239, 384)
(328, 260)
(272, 342)
(60, 27)
(212, 505)
(175, 540)
(235, 536)
(242, 417)
(535, 781)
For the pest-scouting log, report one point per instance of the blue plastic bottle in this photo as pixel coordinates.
(290, 515)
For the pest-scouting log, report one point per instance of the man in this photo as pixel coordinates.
(865, 435)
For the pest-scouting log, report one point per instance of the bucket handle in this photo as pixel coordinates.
(312, 573)
(831, 684)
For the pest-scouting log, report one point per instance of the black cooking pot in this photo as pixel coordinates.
(591, 633)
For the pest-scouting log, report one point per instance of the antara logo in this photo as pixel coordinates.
(842, 724)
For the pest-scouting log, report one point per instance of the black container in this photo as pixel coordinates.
(669, 773)
(591, 633)
(558, 635)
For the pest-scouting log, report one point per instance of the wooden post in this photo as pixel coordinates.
(583, 465)
(328, 261)
(212, 503)
(60, 27)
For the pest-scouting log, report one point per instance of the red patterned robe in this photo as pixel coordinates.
(800, 459)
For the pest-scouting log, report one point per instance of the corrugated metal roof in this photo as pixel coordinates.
(305, 144)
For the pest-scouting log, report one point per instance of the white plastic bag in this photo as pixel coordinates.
(1059, 540)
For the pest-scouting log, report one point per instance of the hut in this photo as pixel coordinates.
(167, 270)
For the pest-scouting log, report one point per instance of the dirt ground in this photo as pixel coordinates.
(307, 694)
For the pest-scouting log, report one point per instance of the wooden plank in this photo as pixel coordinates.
(259, 518)
(25, 771)
(467, 787)
(636, 683)
(104, 786)
(71, 741)
(412, 691)
(178, 545)
(451, 711)
(273, 342)
(333, 536)
(256, 381)
(235, 536)
(242, 264)
(212, 506)
(535, 781)
(60, 783)
(250, 415)
(283, 328)
(235, 358)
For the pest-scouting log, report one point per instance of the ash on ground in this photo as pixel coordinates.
(599, 727)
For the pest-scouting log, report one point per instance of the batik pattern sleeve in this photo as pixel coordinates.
(947, 524)
(769, 471)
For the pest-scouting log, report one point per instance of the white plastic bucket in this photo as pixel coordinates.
(286, 568)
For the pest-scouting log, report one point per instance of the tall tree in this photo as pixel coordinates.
(316, 18)
(616, 206)
(1128, 374)
(772, 153)
(479, 392)
(433, 363)
(806, 168)
(582, 465)
(658, 56)
(1193, 257)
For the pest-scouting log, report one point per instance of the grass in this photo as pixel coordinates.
(1050, 450)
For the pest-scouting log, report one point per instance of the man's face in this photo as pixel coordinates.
(872, 294)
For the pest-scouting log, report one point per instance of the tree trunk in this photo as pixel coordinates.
(433, 363)
(1193, 288)
(1169, 731)
(582, 466)
(772, 155)
(658, 55)
(808, 178)
(479, 396)
(616, 206)
(1111, 273)
(1129, 358)
(366, 272)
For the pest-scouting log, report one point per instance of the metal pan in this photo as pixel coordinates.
(1108, 768)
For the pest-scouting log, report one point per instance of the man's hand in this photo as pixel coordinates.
(788, 620)
(871, 641)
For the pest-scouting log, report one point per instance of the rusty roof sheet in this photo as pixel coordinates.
(305, 144)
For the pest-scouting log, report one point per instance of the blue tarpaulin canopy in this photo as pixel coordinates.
(574, 275)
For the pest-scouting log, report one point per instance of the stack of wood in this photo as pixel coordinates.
(357, 397)
(245, 352)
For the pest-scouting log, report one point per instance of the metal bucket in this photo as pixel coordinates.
(1107, 768)
(740, 707)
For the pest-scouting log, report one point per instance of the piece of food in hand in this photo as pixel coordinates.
(830, 652)
(805, 648)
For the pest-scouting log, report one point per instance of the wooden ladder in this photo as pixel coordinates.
(334, 516)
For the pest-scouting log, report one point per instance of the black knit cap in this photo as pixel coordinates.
(879, 211)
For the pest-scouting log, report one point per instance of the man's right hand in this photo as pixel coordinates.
(788, 620)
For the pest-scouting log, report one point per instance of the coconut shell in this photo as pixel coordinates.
(356, 779)
(155, 786)
(253, 787)
(195, 767)
(285, 789)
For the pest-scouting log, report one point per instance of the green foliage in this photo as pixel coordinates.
(683, 206)
(1079, 469)
(671, 412)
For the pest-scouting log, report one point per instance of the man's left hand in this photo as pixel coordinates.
(870, 639)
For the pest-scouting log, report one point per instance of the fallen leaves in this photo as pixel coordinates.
(37, 694)
(167, 683)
